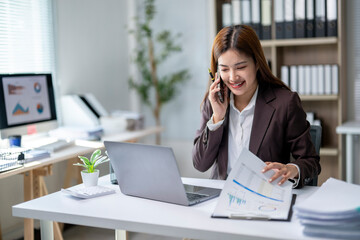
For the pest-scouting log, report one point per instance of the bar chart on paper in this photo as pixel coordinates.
(248, 193)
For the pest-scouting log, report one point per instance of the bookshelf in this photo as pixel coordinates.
(330, 109)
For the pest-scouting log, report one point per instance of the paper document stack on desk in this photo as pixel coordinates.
(333, 211)
(247, 194)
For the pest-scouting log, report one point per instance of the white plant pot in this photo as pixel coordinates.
(90, 179)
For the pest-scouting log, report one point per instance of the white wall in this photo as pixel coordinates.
(92, 50)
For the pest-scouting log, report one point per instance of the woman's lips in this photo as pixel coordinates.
(237, 85)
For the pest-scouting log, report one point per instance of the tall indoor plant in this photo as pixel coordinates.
(154, 90)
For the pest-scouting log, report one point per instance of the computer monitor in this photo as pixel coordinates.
(27, 104)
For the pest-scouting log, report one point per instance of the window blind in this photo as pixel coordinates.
(26, 36)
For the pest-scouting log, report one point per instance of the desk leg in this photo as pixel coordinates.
(46, 230)
(349, 158)
(121, 234)
(28, 195)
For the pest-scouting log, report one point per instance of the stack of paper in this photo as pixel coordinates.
(333, 211)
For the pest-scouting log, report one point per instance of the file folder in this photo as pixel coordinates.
(331, 18)
(289, 18)
(307, 80)
(226, 14)
(310, 19)
(299, 18)
(246, 12)
(335, 79)
(327, 79)
(255, 17)
(301, 80)
(266, 19)
(285, 75)
(236, 12)
(279, 18)
(321, 80)
(293, 78)
(320, 18)
(314, 80)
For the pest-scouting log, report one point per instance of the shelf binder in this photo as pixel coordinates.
(307, 80)
(321, 80)
(285, 75)
(266, 19)
(279, 18)
(327, 79)
(289, 18)
(335, 79)
(226, 14)
(299, 18)
(246, 12)
(301, 80)
(236, 12)
(331, 18)
(320, 18)
(255, 17)
(293, 78)
(314, 80)
(310, 19)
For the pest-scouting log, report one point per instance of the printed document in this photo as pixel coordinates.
(248, 194)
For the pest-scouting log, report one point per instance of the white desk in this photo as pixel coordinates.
(118, 211)
(34, 185)
(350, 129)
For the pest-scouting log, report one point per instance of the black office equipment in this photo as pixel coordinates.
(316, 133)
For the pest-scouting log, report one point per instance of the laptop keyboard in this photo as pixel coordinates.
(194, 196)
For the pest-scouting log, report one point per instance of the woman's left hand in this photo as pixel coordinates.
(281, 170)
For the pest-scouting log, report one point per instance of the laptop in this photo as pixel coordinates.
(151, 172)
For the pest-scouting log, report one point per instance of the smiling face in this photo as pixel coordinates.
(238, 71)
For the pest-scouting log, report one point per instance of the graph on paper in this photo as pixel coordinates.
(248, 192)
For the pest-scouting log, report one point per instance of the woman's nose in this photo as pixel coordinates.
(232, 75)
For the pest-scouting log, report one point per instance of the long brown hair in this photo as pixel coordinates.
(243, 39)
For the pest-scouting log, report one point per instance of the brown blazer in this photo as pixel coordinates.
(279, 129)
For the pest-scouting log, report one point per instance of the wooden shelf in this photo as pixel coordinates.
(299, 42)
(319, 97)
(331, 152)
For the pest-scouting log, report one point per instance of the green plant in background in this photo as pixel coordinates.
(147, 60)
(91, 164)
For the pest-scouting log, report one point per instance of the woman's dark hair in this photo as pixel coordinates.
(243, 39)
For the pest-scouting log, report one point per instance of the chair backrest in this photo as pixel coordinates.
(315, 132)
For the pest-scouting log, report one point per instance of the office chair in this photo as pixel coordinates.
(315, 132)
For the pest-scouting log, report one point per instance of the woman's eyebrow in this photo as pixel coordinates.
(236, 64)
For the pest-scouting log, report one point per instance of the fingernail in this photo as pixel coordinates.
(263, 170)
(270, 180)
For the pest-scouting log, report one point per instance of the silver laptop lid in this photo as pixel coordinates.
(147, 171)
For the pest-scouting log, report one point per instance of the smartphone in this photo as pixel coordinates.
(221, 86)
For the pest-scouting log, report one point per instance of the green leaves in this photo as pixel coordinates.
(150, 52)
(95, 159)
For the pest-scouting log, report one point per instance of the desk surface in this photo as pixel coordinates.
(118, 211)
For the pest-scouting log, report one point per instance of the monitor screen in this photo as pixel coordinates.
(27, 104)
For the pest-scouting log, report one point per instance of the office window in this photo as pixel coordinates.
(26, 36)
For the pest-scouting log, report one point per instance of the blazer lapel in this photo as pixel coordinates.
(262, 118)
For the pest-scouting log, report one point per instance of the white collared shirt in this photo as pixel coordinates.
(240, 125)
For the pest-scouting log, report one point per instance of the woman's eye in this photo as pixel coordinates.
(242, 67)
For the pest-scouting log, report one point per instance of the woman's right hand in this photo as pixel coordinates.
(219, 108)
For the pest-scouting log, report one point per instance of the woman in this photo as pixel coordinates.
(258, 112)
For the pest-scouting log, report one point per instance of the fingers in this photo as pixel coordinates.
(281, 170)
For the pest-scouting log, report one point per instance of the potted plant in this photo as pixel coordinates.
(152, 50)
(90, 175)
